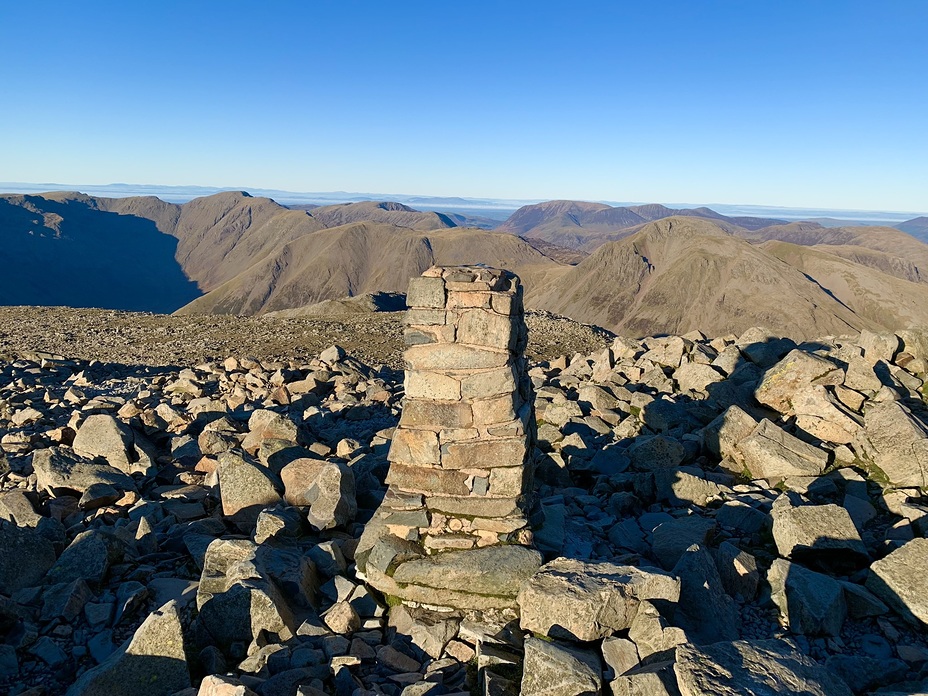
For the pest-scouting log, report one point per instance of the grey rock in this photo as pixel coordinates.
(246, 488)
(652, 634)
(704, 611)
(571, 599)
(101, 646)
(342, 618)
(153, 661)
(723, 435)
(328, 558)
(684, 486)
(862, 673)
(620, 654)
(553, 669)
(900, 580)
(98, 495)
(237, 598)
(658, 452)
(861, 603)
(101, 435)
(9, 664)
(879, 346)
(331, 497)
(742, 518)
(674, 537)
(738, 571)
(812, 603)
(797, 370)
(26, 557)
(653, 679)
(860, 510)
(48, 651)
(696, 377)
(770, 452)
(278, 523)
(61, 470)
(429, 631)
(896, 443)
(87, 557)
(65, 601)
(221, 685)
(761, 668)
(396, 660)
(495, 570)
(821, 534)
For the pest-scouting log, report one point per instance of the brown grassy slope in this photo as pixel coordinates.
(681, 274)
(360, 258)
(880, 297)
(221, 236)
(897, 253)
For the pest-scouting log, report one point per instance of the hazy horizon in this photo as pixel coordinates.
(182, 194)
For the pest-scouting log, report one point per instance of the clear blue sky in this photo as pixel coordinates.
(799, 103)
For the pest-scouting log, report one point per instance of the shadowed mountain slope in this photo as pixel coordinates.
(917, 227)
(586, 226)
(70, 251)
(681, 274)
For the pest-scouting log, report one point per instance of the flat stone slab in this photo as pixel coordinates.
(901, 580)
(753, 668)
(552, 669)
(495, 570)
(820, 533)
(571, 599)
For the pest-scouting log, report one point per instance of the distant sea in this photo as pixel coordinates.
(497, 208)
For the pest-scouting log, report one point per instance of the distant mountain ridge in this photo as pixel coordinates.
(235, 253)
(586, 226)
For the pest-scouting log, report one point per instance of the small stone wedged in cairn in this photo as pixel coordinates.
(462, 450)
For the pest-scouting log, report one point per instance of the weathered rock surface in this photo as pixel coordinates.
(900, 579)
(823, 533)
(497, 571)
(554, 669)
(246, 488)
(752, 667)
(25, 558)
(770, 452)
(61, 470)
(812, 603)
(897, 444)
(101, 435)
(586, 601)
(152, 662)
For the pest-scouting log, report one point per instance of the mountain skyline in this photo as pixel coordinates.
(497, 208)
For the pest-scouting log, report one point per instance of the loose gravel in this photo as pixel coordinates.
(160, 339)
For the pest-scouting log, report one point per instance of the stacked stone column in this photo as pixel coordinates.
(467, 426)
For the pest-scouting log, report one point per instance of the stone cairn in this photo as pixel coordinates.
(454, 523)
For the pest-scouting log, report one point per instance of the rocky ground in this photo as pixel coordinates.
(159, 339)
(727, 516)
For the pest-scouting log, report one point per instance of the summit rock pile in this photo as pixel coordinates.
(729, 516)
